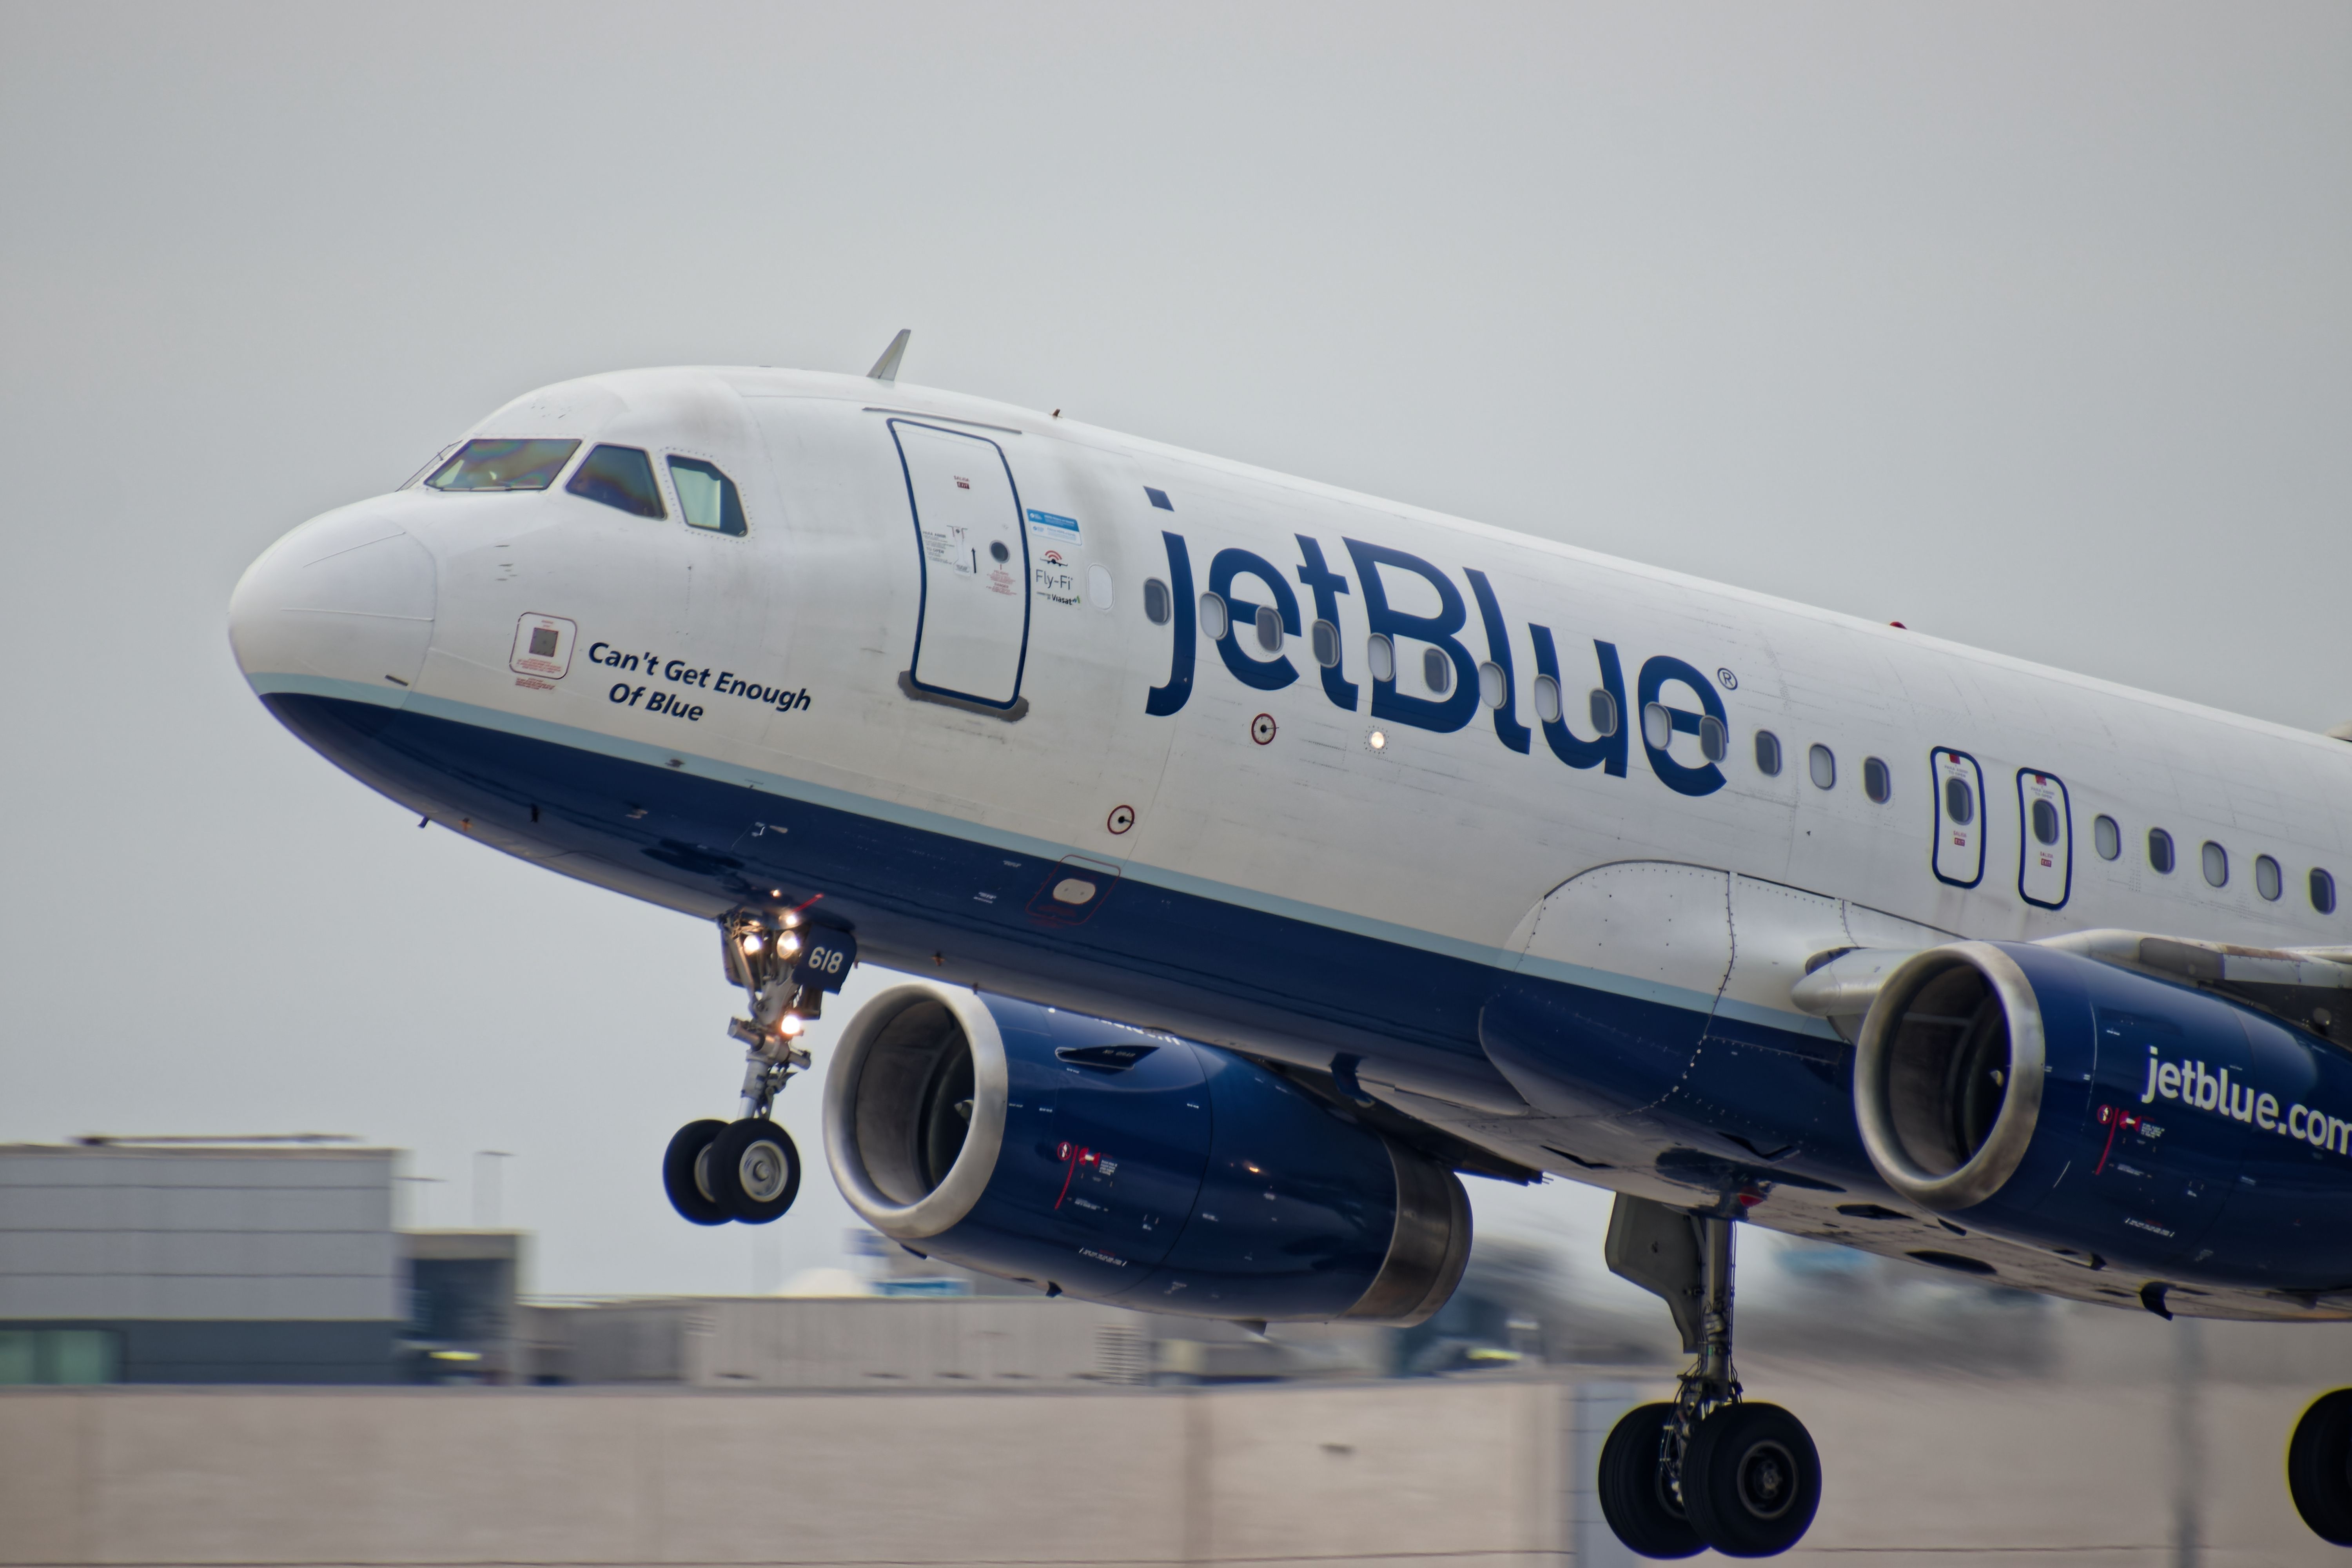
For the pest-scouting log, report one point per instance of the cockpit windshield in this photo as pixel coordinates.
(619, 477)
(504, 466)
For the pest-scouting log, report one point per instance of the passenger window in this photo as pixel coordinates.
(1959, 802)
(504, 466)
(706, 497)
(2159, 851)
(1876, 782)
(2045, 822)
(1325, 637)
(1768, 753)
(1155, 601)
(620, 476)
(1214, 622)
(1713, 740)
(2216, 864)
(1657, 726)
(1824, 766)
(1494, 686)
(2266, 879)
(1269, 628)
(1547, 700)
(1602, 709)
(1379, 657)
(2323, 891)
(1437, 671)
(2106, 838)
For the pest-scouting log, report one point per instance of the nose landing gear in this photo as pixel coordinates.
(748, 1169)
(1705, 1470)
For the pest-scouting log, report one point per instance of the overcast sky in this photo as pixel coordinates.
(2025, 324)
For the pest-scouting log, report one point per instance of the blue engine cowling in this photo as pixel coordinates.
(2110, 1116)
(1120, 1166)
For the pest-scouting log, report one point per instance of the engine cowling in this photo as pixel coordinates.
(1124, 1166)
(2110, 1116)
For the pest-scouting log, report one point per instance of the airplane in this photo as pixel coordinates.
(1257, 858)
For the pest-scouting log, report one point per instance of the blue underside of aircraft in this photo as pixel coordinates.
(1720, 1105)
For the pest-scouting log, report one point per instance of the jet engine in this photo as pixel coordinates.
(2110, 1115)
(1116, 1165)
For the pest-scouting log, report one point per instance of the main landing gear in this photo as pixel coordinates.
(748, 1169)
(1706, 1470)
(2319, 1468)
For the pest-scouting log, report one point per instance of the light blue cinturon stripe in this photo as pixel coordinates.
(914, 817)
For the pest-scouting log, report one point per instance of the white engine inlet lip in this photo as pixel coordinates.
(2012, 1131)
(946, 1205)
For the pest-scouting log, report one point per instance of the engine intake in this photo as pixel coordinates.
(1948, 1073)
(1121, 1166)
(2112, 1118)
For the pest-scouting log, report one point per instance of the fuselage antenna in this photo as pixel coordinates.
(886, 367)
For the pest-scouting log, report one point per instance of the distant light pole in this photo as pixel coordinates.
(486, 1186)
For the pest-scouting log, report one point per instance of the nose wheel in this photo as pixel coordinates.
(747, 1171)
(1706, 1470)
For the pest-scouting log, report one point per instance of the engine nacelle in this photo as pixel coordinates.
(1120, 1166)
(2110, 1116)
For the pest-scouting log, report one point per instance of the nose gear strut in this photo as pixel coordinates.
(762, 955)
(749, 1170)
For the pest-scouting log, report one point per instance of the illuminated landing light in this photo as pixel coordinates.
(792, 918)
(750, 941)
(790, 1025)
(1378, 739)
(787, 943)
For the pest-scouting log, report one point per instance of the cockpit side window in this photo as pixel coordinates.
(504, 466)
(706, 497)
(620, 476)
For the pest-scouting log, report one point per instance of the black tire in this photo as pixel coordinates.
(678, 1161)
(1633, 1487)
(2319, 1468)
(754, 1170)
(1751, 1480)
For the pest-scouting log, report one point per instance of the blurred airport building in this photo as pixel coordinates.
(897, 1410)
(198, 1260)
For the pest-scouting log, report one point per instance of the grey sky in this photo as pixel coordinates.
(2025, 324)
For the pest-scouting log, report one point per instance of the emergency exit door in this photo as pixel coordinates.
(972, 631)
(1959, 859)
(2045, 871)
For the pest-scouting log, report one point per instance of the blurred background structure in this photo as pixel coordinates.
(891, 1409)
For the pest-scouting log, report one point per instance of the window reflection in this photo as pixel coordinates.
(483, 465)
(621, 477)
(706, 497)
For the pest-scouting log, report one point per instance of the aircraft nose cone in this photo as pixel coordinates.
(341, 607)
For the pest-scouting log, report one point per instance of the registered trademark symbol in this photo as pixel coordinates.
(1730, 681)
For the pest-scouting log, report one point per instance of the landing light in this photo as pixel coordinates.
(787, 943)
(790, 1025)
(750, 941)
